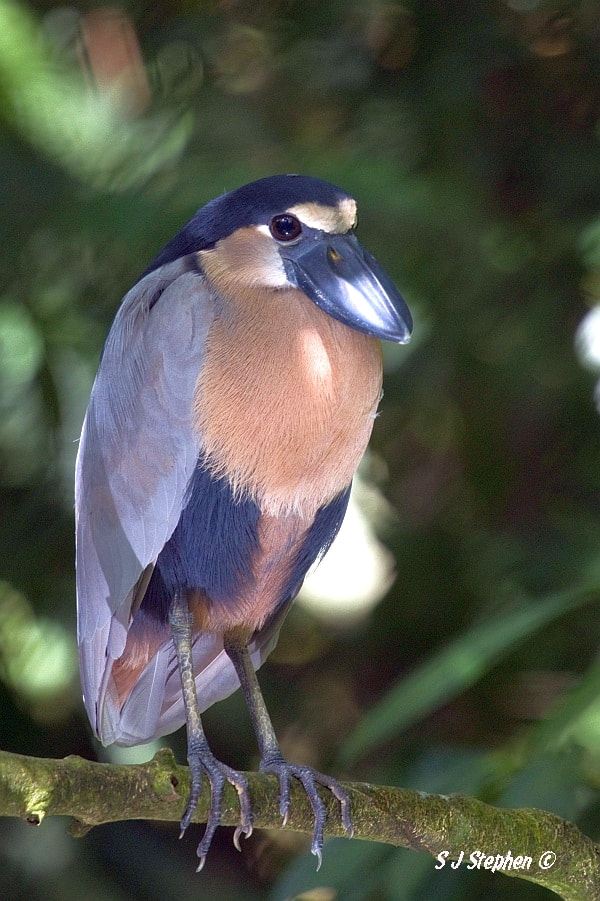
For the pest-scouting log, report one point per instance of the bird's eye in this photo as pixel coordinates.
(285, 227)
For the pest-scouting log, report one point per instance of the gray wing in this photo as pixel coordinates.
(136, 455)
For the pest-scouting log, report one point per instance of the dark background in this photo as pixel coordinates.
(469, 134)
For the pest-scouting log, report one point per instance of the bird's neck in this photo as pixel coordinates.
(286, 400)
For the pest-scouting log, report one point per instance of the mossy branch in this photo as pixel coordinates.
(93, 793)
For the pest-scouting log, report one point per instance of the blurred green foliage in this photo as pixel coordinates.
(469, 133)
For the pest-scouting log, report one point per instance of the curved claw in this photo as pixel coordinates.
(202, 762)
(310, 778)
(241, 830)
(319, 855)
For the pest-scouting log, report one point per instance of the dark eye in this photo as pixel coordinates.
(285, 227)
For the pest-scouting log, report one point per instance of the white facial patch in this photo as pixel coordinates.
(335, 220)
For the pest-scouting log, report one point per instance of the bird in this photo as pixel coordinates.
(235, 396)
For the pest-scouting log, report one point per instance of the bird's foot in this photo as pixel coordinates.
(309, 778)
(203, 762)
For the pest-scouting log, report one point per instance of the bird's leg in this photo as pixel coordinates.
(200, 757)
(271, 758)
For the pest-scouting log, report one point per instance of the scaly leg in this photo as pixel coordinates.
(200, 757)
(271, 758)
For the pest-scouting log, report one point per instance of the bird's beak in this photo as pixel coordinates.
(346, 282)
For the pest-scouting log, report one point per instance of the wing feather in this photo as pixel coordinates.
(136, 456)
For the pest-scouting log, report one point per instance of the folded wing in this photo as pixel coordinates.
(136, 456)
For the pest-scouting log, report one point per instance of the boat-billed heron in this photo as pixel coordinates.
(234, 399)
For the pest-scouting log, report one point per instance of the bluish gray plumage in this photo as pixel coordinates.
(138, 443)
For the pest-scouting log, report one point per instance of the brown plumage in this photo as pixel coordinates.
(287, 396)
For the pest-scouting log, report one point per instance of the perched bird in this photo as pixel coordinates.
(234, 399)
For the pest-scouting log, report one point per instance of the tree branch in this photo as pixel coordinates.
(95, 793)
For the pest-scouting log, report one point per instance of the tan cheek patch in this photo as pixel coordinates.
(335, 220)
(248, 258)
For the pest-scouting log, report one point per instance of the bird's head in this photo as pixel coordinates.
(294, 231)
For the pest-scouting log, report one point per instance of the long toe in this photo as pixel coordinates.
(203, 763)
(310, 778)
(196, 771)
